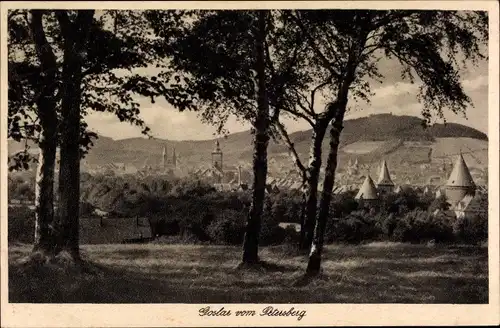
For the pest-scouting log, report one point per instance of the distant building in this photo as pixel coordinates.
(352, 169)
(460, 182)
(167, 163)
(471, 205)
(384, 183)
(217, 163)
(440, 191)
(398, 189)
(367, 193)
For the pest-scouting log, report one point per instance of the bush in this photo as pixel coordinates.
(420, 226)
(271, 233)
(440, 203)
(357, 227)
(471, 229)
(406, 201)
(292, 237)
(388, 225)
(343, 204)
(21, 225)
(86, 209)
(164, 226)
(228, 228)
(194, 211)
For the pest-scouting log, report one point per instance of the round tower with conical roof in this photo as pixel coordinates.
(384, 183)
(367, 193)
(460, 182)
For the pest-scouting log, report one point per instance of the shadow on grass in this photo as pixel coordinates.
(406, 274)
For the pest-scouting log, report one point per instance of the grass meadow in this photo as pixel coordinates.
(160, 273)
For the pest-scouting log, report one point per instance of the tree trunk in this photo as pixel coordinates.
(303, 214)
(44, 193)
(261, 140)
(75, 35)
(314, 264)
(311, 189)
(335, 111)
(46, 105)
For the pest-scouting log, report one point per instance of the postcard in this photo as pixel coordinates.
(228, 163)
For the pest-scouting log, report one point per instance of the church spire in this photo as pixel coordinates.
(384, 176)
(164, 158)
(174, 158)
(217, 147)
(217, 158)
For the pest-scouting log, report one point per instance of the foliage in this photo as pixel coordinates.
(21, 224)
(430, 46)
(417, 226)
(21, 188)
(226, 84)
(471, 229)
(407, 200)
(120, 47)
(439, 203)
(357, 227)
(228, 228)
(197, 213)
(284, 207)
(343, 204)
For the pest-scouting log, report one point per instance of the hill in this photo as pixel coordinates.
(401, 140)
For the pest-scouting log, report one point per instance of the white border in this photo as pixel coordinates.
(140, 315)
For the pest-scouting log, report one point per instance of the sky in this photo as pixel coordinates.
(392, 96)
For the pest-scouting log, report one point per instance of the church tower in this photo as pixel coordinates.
(174, 158)
(217, 156)
(239, 175)
(164, 158)
(217, 161)
(460, 182)
(384, 183)
(355, 168)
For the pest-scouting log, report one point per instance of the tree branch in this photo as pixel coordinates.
(319, 87)
(294, 112)
(42, 46)
(268, 58)
(96, 69)
(65, 23)
(291, 147)
(315, 47)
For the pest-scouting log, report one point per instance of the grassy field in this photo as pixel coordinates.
(155, 273)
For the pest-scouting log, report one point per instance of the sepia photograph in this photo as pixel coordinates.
(203, 157)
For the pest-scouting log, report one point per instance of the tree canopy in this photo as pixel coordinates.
(121, 45)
